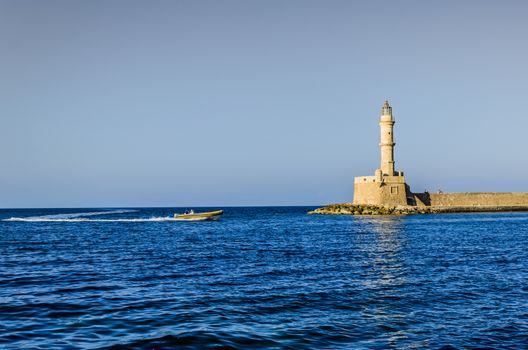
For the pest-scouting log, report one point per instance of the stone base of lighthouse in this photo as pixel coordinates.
(382, 190)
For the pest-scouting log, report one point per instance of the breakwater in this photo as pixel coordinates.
(473, 199)
(359, 209)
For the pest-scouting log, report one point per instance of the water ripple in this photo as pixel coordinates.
(263, 278)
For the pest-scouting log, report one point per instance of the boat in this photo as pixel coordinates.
(192, 216)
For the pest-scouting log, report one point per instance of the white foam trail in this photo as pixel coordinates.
(151, 219)
(81, 217)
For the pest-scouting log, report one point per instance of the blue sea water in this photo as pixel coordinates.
(261, 278)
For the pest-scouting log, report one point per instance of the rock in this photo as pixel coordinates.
(354, 209)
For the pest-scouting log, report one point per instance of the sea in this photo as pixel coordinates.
(261, 278)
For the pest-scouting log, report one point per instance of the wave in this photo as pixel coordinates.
(155, 218)
(82, 217)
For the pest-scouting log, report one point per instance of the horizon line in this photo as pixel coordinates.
(191, 206)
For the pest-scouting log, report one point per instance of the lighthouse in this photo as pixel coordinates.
(386, 124)
(387, 187)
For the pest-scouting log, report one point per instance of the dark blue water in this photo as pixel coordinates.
(262, 278)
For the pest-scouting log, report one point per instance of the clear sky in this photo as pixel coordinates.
(271, 102)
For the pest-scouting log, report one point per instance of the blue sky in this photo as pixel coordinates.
(197, 103)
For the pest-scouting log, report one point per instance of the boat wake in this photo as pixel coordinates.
(88, 217)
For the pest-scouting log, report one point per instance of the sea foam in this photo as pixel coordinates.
(85, 217)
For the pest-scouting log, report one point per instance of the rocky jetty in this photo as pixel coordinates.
(358, 209)
(355, 209)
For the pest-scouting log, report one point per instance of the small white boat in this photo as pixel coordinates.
(192, 216)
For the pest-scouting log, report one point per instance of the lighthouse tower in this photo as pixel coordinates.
(386, 124)
(387, 187)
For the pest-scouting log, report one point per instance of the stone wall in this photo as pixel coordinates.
(394, 194)
(367, 193)
(391, 192)
(470, 199)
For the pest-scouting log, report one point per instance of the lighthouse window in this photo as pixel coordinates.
(389, 132)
